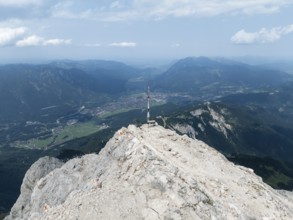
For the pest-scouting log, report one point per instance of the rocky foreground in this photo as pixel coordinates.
(148, 173)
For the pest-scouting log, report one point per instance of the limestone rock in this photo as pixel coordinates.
(22, 207)
(154, 173)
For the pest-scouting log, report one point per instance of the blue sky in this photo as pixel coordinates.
(36, 30)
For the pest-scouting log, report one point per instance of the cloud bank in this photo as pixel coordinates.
(9, 35)
(19, 37)
(154, 9)
(123, 44)
(34, 40)
(262, 36)
(19, 3)
(124, 10)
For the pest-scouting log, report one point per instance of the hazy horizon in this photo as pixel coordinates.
(157, 63)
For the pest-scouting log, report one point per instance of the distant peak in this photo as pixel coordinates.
(196, 62)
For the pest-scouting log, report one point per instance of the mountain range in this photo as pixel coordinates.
(69, 108)
(202, 75)
(27, 91)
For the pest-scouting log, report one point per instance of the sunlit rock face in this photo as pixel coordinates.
(150, 172)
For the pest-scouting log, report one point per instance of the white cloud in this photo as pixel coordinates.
(56, 42)
(22, 37)
(10, 35)
(116, 5)
(35, 40)
(154, 9)
(63, 10)
(30, 41)
(123, 44)
(207, 8)
(118, 10)
(19, 3)
(262, 36)
(11, 23)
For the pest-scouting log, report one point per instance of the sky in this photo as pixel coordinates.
(38, 30)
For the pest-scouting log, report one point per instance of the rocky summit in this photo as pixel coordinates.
(148, 172)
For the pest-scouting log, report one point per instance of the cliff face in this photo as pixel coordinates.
(24, 204)
(152, 173)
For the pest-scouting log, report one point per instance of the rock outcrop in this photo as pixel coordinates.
(153, 173)
(23, 206)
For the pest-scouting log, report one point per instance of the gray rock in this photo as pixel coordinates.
(22, 207)
(153, 173)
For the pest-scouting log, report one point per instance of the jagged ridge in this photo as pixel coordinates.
(154, 173)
